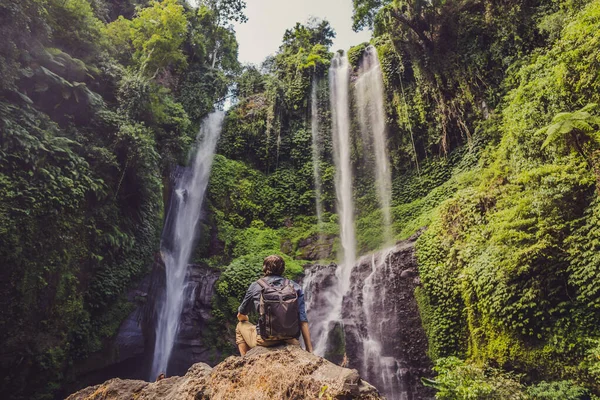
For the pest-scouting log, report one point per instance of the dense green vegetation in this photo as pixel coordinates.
(494, 139)
(95, 111)
(509, 261)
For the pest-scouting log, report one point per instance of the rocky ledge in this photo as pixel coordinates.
(285, 372)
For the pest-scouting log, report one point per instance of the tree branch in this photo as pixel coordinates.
(398, 16)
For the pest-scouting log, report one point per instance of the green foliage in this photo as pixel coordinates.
(365, 12)
(581, 126)
(75, 28)
(457, 380)
(88, 134)
(355, 53)
(211, 39)
(561, 79)
(508, 263)
(445, 60)
(584, 257)
(157, 35)
(566, 390)
(23, 27)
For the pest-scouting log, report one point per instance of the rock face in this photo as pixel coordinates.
(125, 356)
(285, 372)
(130, 356)
(189, 348)
(380, 332)
(318, 282)
(384, 335)
(130, 338)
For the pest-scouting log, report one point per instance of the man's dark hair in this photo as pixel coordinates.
(273, 265)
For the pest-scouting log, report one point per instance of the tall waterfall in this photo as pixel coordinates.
(316, 150)
(179, 237)
(339, 79)
(371, 115)
(329, 321)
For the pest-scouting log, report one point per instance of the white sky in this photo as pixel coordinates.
(268, 20)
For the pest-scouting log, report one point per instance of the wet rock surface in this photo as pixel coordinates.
(284, 372)
(130, 355)
(189, 345)
(130, 340)
(382, 334)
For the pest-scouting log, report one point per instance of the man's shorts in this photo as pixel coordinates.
(245, 332)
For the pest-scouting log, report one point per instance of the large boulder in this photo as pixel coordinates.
(285, 372)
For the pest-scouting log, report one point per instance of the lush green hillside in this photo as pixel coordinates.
(95, 112)
(493, 138)
(510, 258)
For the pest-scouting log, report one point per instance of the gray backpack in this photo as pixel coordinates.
(278, 311)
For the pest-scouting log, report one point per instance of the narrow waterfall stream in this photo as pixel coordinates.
(378, 311)
(179, 238)
(380, 333)
(369, 91)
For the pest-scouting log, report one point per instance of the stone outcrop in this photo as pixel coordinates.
(130, 354)
(285, 372)
(130, 338)
(384, 336)
(190, 348)
(380, 333)
(125, 355)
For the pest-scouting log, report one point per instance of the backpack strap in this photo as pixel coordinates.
(263, 283)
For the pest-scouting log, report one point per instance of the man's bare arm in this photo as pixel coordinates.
(306, 336)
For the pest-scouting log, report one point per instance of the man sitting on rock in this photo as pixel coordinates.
(280, 305)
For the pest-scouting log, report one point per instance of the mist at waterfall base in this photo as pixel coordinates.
(179, 237)
(353, 307)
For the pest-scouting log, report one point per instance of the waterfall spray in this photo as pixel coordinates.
(179, 238)
(371, 113)
(316, 151)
